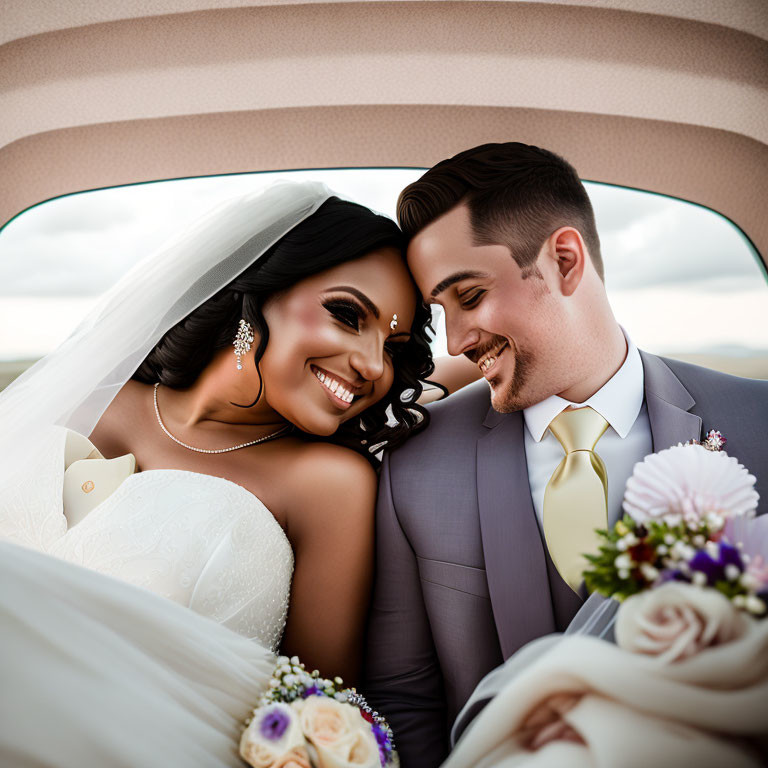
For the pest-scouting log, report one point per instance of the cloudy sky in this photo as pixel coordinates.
(680, 278)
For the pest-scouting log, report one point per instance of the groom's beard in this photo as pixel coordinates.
(507, 399)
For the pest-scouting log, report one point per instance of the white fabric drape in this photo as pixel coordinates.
(629, 710)
(96, 672)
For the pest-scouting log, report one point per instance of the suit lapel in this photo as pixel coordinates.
(515, 562)
(669, 403)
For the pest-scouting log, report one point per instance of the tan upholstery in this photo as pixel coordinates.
(670, 96)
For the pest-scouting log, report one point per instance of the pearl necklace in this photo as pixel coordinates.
(271, 436)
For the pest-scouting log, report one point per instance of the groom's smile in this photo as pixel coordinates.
(488, 356)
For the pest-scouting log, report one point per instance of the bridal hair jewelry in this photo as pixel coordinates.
(264, 439)
(393, 322)
(242, 342)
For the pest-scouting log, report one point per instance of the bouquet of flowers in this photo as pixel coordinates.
(690, 518)
(306, 721)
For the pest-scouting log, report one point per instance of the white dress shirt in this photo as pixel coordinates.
(627, 440)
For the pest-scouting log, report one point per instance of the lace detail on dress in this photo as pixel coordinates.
(250, 599)
(30, 503)
(199, 540)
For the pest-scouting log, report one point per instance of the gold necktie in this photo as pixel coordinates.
(575, 499)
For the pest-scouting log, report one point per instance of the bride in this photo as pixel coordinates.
(208, 434)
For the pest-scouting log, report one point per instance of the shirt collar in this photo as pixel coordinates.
(618, 401)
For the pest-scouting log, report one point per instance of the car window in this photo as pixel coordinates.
(683, 280)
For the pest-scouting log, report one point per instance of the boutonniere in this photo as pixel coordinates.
(714, 441)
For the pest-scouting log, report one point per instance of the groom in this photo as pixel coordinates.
(478, 545)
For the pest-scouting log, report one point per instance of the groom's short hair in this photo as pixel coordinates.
(517, 196)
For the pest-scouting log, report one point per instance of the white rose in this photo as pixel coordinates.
(273, 733)
(340, 736)
(296, 758)
(677, 621)
(257, 754)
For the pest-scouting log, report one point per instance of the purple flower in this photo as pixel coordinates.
(274, 723)
(313, 690)
(714, 568)
(380, 734)
(669, 574)
(385, 746)
(730, 556)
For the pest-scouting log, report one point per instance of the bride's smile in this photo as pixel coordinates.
(340, 391)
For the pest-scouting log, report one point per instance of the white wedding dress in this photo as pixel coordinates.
(105, 664)
(202, 541)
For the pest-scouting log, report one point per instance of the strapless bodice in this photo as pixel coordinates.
(199, 540)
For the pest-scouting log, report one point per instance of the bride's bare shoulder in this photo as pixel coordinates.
(130, 406)
(333, 466)
(333, 478)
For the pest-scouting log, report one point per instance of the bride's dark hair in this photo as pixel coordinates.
(338, 232)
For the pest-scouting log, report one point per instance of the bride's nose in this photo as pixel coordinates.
(368, 358)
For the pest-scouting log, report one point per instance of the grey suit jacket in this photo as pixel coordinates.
(463, 578)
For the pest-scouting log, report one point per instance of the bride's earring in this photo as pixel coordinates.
(242, 342)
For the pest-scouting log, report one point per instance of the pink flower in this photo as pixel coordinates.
(296, 758)
(691, 483)
(757, 571)
(677, 621)
(337, 733)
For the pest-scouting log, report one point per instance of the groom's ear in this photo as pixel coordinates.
(570, 254)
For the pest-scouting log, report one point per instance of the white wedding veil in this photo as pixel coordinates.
(73, 385)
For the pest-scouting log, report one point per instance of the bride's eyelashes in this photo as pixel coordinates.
(346, 311)
(351, 314)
